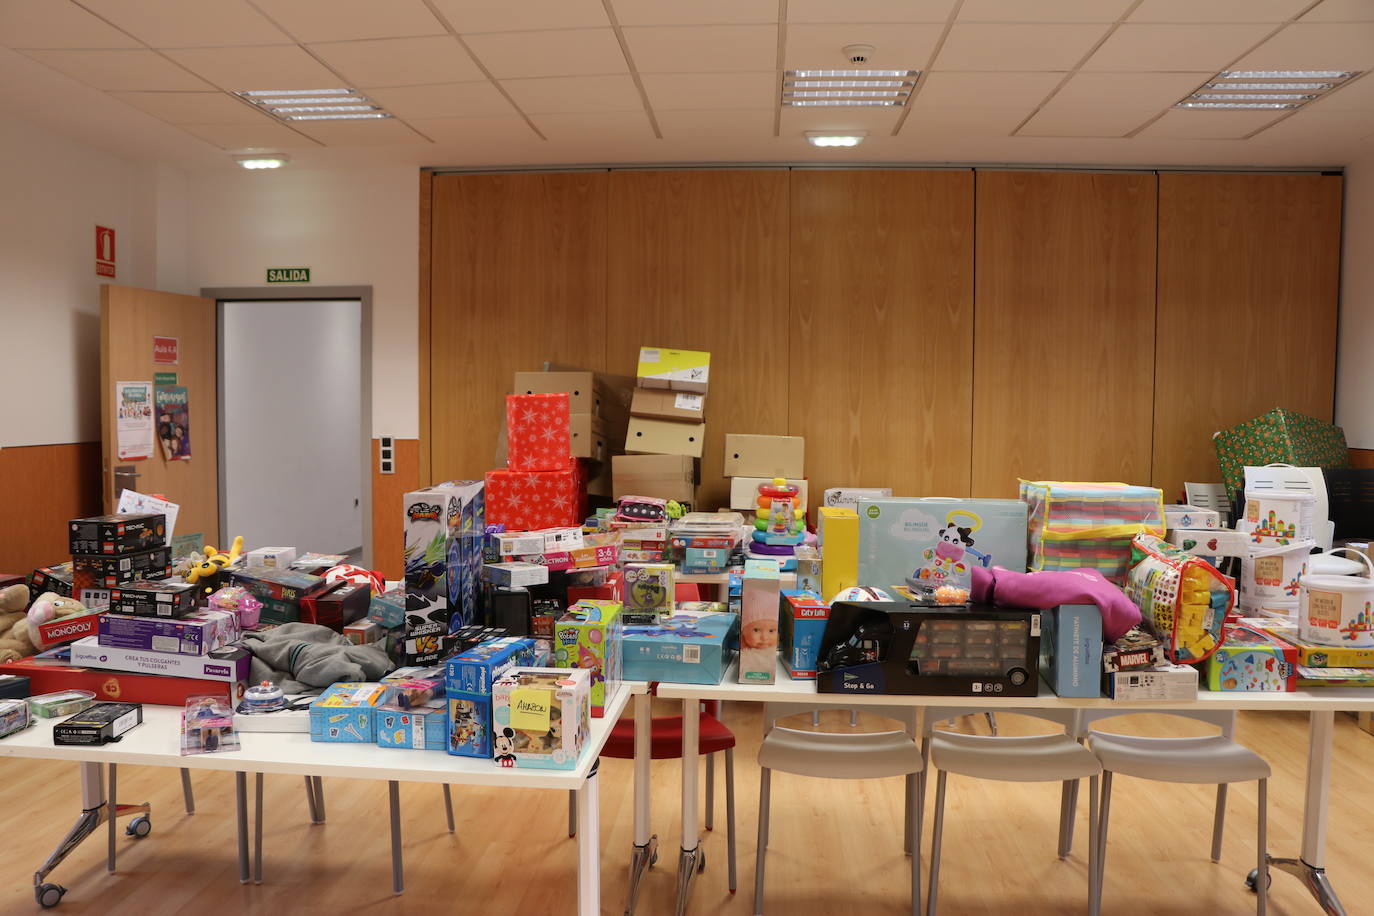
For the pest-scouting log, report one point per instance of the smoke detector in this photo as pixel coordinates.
(858, 54)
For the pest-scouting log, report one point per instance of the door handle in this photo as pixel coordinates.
(124, 476)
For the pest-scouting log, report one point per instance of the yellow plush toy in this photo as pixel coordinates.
(214, 563)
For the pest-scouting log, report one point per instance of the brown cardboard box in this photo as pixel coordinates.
(662, 404)
(661, 476)
(764, 456)
(664, 437)
(587, 437)
(585, 392)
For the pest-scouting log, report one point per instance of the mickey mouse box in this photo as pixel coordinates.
(686, 647)
(540, 717)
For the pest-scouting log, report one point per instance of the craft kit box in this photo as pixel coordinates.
(228, 664)
(537, 434)
(161, 690)
(758, 625)
(114, 535)
(647, 436)
(664, 404)
(924, 539)
(154, 599)
(1167, 682)
(688, 647)
(422, 728)
(764, 456)
(540, 717)
(802, 619)
(102, 572)
(194, 635)
(1251, 660)
(443, 532)
(1071, 650)
(347, 713)
(1281, 436)
(680, 370)
(589, 636)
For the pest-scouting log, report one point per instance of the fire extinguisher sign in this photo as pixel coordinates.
(104, 251)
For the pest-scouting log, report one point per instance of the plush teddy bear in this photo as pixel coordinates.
(51, 606)
(14, 626)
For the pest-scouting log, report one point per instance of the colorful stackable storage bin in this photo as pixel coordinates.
(1089, 525)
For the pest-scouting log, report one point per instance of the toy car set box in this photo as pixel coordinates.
(113, 535)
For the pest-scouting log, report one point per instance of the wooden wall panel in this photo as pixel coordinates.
(1248, 282)
(881, 369)
(518, 277)
(388, 494)
(45, 486)
(1362, 458)
(1063, 356)
(698, 260)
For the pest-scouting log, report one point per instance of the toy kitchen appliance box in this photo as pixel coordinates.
(929, 539)
(443, 555)
(687, 647)
(902, 647)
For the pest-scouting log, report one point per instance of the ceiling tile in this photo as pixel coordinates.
(610, 126)
(796, 121)
(1042, 10)
(380, 132)
(869, 10)
(900, 47)
(694, 12)
(1358, 95)
(984, 46)
(1129, 90)
(172, 24)
(400, 61)
(1322, 46)
(966, 122)
(444, 100)
(581, 52)
(1341, 11)
(346, 20)
(708, 126)
(505, 132)
(56, 24)
(267, 135)
(1217, 10)
(1175, 47)
(721, 91)
(1059, 119)
(569, 94)
(1208, 125)
(111, 70)
(194, 107)
(504, 16)
(1320, 126)
(279, 67)
(699, 49)
(951, 89)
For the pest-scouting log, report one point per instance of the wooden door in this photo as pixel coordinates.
(129, 320)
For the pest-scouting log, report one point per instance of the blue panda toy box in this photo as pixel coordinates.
(687, 647)
(924, 540)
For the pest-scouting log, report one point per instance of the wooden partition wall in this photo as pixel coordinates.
(941, 332)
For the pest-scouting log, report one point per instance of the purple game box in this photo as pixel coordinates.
(197, 634)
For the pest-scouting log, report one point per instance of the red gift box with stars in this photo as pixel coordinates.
(537, 432)
(530, 500)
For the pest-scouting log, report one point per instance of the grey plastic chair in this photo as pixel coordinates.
(1034, 758)
(1198, 761)
(830, 755)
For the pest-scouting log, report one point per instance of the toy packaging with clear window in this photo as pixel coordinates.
(541, 717)
(207, 725)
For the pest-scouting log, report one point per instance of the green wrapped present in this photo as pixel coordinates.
(1279, 436)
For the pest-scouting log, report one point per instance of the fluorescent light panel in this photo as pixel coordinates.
(835, 138)
(314, 104)
(1264, 89)
(847, 88)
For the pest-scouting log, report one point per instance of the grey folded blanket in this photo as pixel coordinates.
(306, 658)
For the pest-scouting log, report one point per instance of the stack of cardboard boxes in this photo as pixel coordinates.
(596, 419)
(667, 428)
(754, 460)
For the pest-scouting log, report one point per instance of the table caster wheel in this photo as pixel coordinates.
(49, 895)
(1251, 880)
(139, 827)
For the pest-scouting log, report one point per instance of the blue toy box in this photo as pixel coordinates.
(346, 713)
(1071, 650)
(932, 538)
(689, 647)
(468, 681)
(422, 728)
(802, 618)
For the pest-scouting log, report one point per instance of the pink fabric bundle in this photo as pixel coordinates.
(1042, 590)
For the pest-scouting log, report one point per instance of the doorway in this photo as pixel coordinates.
(295, 419)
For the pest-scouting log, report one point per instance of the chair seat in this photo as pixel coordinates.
(1212, 759)
(665, 738)
(1034, 758)
(840, 756)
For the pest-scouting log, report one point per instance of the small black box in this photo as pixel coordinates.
(99, 723)
(115, 535)
(509, 608)
(13, 687)
(100, 572)
(154, 599)
(56, 579)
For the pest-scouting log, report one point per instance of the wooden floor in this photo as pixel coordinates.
(836, 845)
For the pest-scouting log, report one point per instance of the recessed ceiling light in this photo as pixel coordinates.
(1236, 105)
(1252, 96)
(262, 160)
(1265, 89)
(848, 88)
(827, 138)
(1247, 87)
(314, 104)
(1286, 74)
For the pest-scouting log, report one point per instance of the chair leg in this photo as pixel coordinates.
(397, 869)
(1068, 813)
(765, 786)
(1094, 849)
(1262, 876)
(906, 818)
(448, 806)
(937, 836)
(730, 812)
(572, 813)
(1102, 834)
(913, 819)
(710, 790)
(854, 718)
(1219, 823)
(310, 800)
(186, 793)
(992, 722)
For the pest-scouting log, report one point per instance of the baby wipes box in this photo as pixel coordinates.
(933, 538)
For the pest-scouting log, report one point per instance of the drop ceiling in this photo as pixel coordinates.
(494, 82)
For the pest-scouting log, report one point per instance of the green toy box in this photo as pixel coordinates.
(1283, 436)
(588, 636)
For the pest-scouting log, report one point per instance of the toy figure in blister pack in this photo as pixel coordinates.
(214, 563)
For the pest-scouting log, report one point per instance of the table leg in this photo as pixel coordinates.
(241, 812)
(186, 793)
(111, 799)
(645, 852)
(589, 848)
(257, 829)
(93, 813)
(1310, 869)
(691, 860)
(397, 878)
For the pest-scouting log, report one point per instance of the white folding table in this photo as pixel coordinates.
(1321, 704)
(157, 743)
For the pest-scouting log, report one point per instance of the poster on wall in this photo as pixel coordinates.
(134, 426)
(173, 422)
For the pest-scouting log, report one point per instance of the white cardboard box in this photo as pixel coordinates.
(1168, 682)
(1191, 517)
(228, 664)
(272, 557)
(1210, 542)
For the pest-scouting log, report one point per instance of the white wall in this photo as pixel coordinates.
(1355, 366)
(352, 227)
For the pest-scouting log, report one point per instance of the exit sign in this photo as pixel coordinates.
(288, 275)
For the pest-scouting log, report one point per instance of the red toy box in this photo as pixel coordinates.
(45, 677)
(529, 500)
(537, 432)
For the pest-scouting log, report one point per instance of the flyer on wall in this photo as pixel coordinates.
(134, 402)
(173, 422)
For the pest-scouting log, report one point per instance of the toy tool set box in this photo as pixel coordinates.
(100, 571)
(902, 647)
(686, 647)
(589, 636)
(929, 540)
(193, 635)
(154, 599)
(98, 724)
(540, 717)
(802, 619)
(114, 535)
(346, 712)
